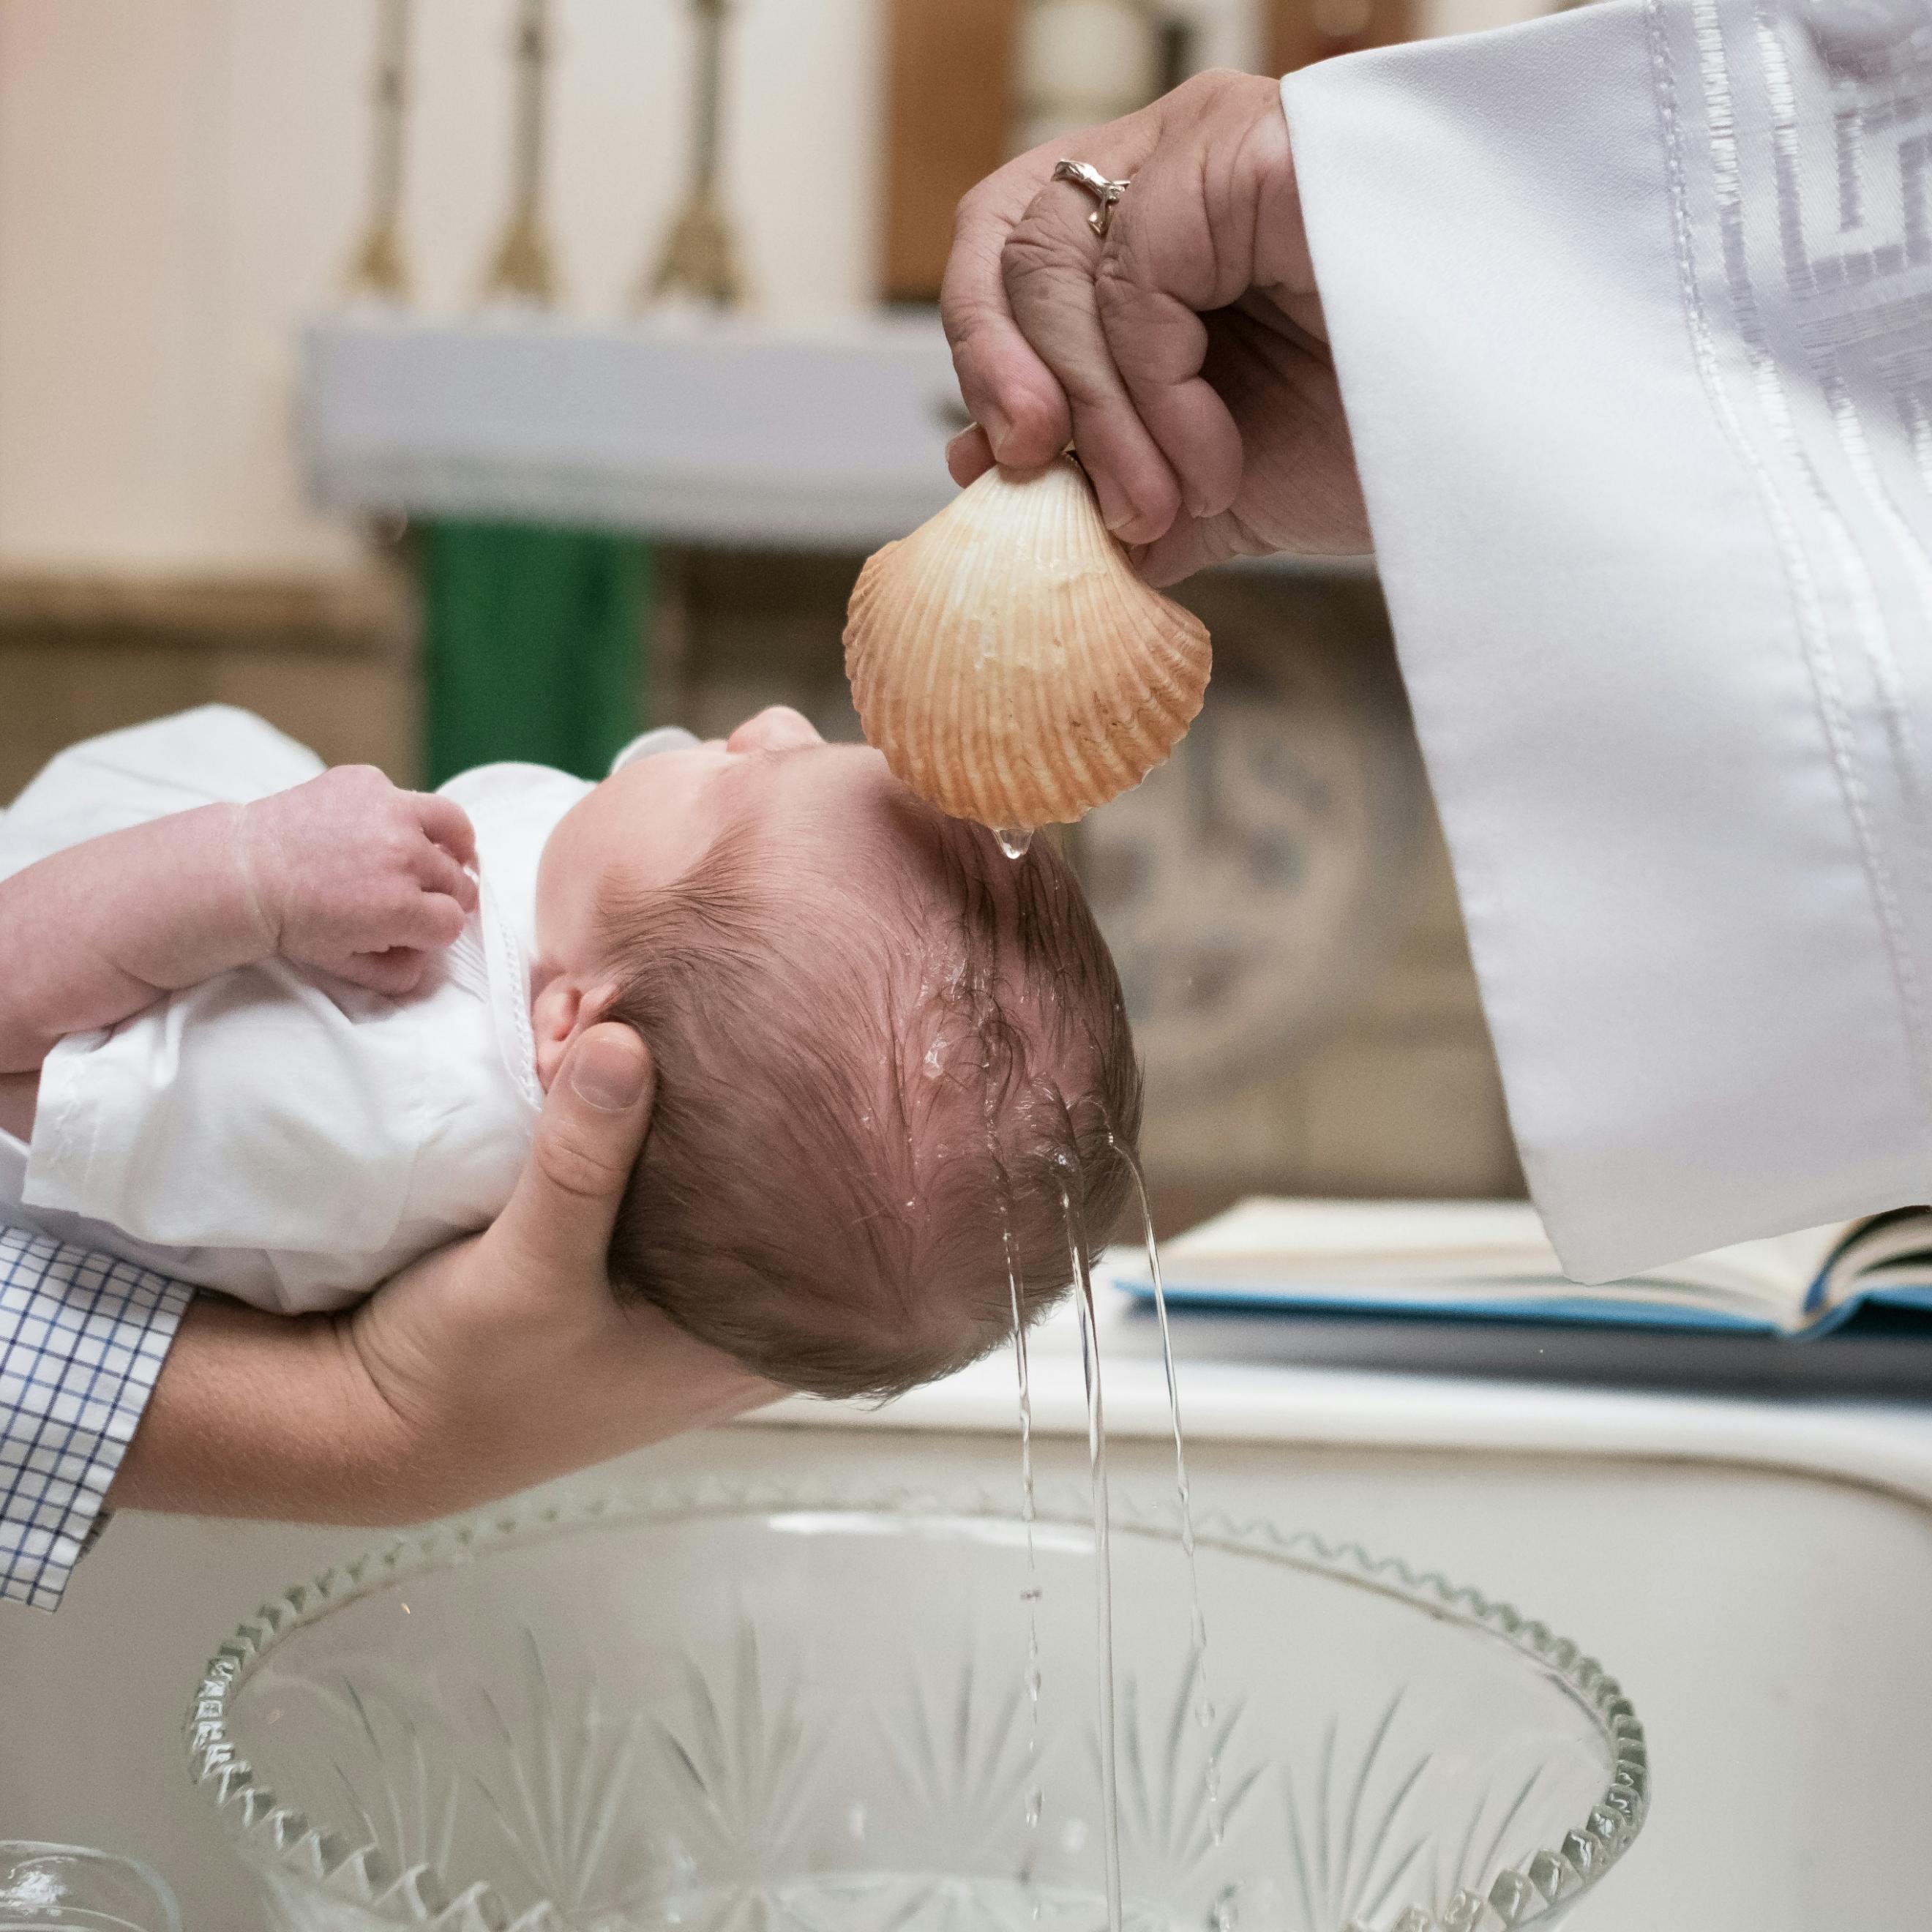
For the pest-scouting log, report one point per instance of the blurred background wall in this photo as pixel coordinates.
(182, 185)
(181, 181)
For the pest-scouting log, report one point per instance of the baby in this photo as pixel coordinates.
(276, 1030)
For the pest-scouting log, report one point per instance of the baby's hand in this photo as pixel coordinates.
(349, 874)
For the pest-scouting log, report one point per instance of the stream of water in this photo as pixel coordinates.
(1035, 1799)
(1103, 1567)
(1015, 842)
(1197, 1627)
(1201, 1699)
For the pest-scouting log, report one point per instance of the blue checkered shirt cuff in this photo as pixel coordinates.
(82, 1339)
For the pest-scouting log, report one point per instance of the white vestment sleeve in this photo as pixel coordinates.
(1632, 310)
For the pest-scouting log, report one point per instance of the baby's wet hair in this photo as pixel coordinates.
(869, 1113)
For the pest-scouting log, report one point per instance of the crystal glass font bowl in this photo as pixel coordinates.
(75, 1889)
(751, 1711)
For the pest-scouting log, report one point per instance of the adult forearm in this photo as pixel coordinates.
(281, 1418)
(263, 1415)
(487, 1366)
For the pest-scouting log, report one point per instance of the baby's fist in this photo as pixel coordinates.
(350, 874)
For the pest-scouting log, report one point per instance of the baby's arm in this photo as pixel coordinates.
(345, 873)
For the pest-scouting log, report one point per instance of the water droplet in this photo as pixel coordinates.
(933, 1066)
(1014, 840)
(1036, 1802)
(855, 1821)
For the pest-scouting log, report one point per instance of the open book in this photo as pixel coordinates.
(1491, 1259)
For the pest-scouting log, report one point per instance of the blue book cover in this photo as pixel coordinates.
(1490, 1260)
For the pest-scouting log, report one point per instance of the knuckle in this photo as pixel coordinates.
(989, 200)
(1036, 253)
(964, 319)
(570, 1164)
(1116, 286)
(1138, 323)
(974, 207)
(1213, 84)
(1034, 419)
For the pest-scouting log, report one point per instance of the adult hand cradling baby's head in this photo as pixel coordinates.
(508, 1360)
(481, 1368)
(875, 1039)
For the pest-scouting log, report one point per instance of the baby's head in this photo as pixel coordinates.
(890, 1059)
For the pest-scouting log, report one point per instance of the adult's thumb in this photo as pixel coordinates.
(592, 1129)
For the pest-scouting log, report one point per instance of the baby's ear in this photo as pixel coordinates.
(595, 1006)
(564, 1009)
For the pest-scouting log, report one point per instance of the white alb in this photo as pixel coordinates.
(1632, 310)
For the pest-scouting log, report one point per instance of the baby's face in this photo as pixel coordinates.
(648, 824)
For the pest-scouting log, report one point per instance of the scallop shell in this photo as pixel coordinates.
(1010, 664)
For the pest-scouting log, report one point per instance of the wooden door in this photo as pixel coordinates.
(1303, 31)
(951, 105)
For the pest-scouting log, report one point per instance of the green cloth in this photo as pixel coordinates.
(533, 644)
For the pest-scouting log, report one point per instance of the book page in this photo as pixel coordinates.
(1889, 1251)
(1367, 1251)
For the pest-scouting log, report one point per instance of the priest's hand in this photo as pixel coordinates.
(1183, 355)
(480, 1369)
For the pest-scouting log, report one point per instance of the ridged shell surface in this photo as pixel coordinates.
(1009, 663)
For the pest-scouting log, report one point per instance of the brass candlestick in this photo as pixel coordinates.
(525, 266)
(379, 266)
(701, 259)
